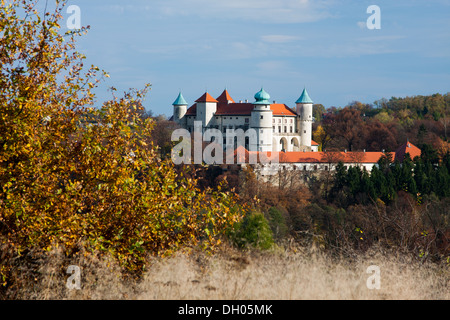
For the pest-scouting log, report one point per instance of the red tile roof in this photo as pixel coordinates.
(313, 143)
(407, 147)
(313, 157)
(242, 155)
(244, 109)
(330, 157)
(192, 111)
(225, 97)
(206, 98)
(280, 109)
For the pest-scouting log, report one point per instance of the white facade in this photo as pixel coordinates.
(277, 127)
(304, 110)
(261, 121)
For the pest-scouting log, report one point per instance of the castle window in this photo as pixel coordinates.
(273, 128)
(290, 129)
(279, 120)
(279, 129)
(291, 120)
(304, 168)
(285, 129)
(315, 167)
(237, 118)
(246, 120)
(262, 117)
(304, 131)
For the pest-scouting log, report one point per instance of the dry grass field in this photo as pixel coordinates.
(230, 274)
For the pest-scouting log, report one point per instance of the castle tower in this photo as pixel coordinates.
(261, 121)
(304, 110)
(179, 109)
(206, 108)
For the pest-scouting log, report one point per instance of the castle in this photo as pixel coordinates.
(278, 127)
(280, 130)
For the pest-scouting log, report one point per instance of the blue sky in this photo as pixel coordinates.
(284, 45)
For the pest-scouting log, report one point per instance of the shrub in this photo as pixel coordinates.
(254, 231)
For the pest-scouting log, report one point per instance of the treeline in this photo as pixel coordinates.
(384, 124)
(426, 175)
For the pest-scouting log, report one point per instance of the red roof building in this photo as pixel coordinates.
(278, 127)
(405, 148)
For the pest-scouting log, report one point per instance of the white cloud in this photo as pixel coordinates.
(272, 66)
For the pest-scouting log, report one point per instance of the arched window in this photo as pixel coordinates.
(283, 144)
(294, 144)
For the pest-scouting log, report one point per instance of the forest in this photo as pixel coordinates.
(402, 205)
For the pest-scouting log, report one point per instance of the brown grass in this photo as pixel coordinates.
(230, 274)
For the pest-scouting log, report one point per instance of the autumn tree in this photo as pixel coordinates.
(346, 124)
(377, 136)
(318, 111)
(161, 135)
(322, 137)
(73, 173)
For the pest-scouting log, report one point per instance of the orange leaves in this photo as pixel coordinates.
(74, 174)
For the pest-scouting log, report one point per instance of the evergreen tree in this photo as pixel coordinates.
(340, 182)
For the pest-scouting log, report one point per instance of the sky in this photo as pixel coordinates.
(195, 46)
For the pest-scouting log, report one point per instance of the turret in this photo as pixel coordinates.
(261, 121)
(179, 109)
(304, 110)
(206, 108)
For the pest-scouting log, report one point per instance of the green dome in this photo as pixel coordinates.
(262, 97)
(304, 98)
(180, 101)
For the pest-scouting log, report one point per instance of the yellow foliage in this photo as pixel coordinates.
(72, 174)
